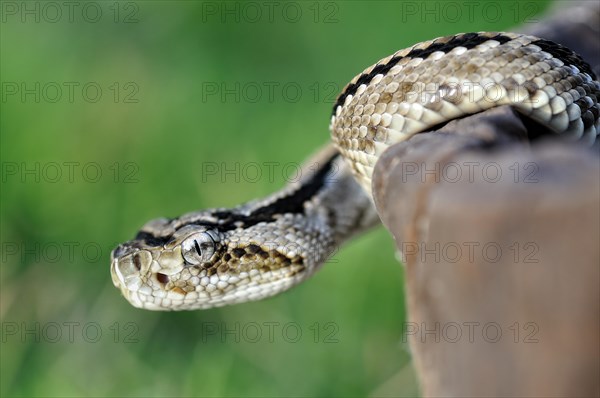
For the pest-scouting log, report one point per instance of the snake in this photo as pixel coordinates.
(222, 256)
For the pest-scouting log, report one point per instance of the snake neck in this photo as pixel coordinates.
(331, 196)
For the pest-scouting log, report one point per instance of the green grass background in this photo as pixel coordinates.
(172, 132)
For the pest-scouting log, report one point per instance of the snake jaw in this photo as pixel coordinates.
(152, 273)
(248, 264)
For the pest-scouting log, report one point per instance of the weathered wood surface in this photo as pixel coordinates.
(518, 256)
(503, 262)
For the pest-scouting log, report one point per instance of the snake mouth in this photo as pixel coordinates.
(127, 266)
(126, 277)
(126, 271)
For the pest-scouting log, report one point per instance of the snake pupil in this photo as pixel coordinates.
(197, 246)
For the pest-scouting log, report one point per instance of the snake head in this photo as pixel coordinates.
(204, 260)
(216, 257)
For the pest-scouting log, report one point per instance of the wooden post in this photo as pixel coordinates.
(502, 253)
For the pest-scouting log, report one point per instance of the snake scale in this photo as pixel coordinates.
(217, 257)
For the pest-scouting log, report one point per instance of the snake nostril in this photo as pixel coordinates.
(137, 261)
(126, 267)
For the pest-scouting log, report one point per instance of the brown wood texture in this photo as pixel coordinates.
(501, 245)
(502, 274)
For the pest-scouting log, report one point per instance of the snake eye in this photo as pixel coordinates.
(198, 248)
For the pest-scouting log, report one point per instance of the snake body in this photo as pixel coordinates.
(218, 257)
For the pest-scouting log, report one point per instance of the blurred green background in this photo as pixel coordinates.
(113, 113)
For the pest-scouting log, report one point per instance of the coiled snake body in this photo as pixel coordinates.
(217, 257)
